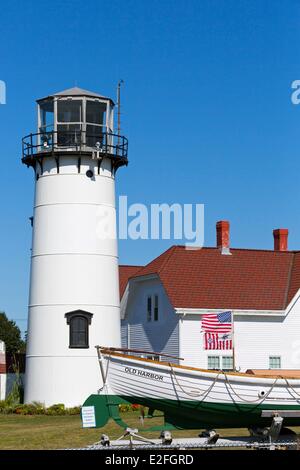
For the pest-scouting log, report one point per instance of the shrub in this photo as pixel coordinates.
(73, 411)
(6, 407)
(123, 407)
(135, 407)
(40, 408)
(57, 409)
(3, 404)
(37, 408)
(30, 409)
(24, 410)
(20, 410)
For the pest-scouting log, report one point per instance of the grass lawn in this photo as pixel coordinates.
(59, 432)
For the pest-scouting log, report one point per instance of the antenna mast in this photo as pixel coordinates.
(119, 109)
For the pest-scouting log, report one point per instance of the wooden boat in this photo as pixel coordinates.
(192, 398)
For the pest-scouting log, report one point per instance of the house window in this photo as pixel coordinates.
(156, 308)
(227, 363)
(152, 308)
(274, 362)
(149, 308)
(79, 322)
(213, 362)
(153, 357)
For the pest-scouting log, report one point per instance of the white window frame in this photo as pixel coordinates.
(231, 362)
(57, 123)
(220, 361)
(214, 357)
(274, 358)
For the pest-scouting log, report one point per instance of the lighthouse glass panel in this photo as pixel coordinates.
(95, 112)
(69, 123)
(79, 332)
(69, 135)
(95, 123)
(94, 136)
(46, 116)
(46, 110)
(69, 111)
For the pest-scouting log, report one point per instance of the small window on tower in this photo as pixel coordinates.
(79, 322)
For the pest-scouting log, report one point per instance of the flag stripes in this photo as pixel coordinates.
(218, 330)
(215, 341)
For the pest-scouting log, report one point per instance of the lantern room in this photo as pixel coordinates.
(76, 116)
(75, 120)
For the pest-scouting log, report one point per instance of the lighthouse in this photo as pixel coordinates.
(74, 301)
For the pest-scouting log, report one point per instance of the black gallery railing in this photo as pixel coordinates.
(52, 141)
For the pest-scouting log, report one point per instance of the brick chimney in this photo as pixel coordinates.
(280, 239)
(223, 236)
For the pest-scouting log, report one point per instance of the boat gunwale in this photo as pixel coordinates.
(107, 351)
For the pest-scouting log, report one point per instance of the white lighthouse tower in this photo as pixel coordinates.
(74, 285)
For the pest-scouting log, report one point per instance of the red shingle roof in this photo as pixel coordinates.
(294, 283)
(125, 272)
(246, 279)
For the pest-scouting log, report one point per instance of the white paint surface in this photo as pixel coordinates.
(72, 268)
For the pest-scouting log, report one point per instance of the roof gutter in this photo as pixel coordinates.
(238, 312)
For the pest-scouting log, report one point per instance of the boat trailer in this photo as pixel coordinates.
(273, 438)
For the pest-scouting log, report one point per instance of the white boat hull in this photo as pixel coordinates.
(194, 395)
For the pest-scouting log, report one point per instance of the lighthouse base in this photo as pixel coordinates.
(67, 380)
(58, 371)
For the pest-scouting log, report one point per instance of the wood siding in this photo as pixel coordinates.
(256, 339)
(158, 336)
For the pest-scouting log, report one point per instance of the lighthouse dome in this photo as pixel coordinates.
(76, 91)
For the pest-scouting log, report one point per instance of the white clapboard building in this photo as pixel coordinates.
(162, 303)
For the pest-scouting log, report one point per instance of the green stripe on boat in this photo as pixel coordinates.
(189, 414)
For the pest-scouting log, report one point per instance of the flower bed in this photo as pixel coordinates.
(37, 408)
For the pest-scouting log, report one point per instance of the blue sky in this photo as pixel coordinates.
(206, 108)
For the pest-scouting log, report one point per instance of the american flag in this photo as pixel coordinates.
(217, 322)
(217, 341)
(218, 329)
